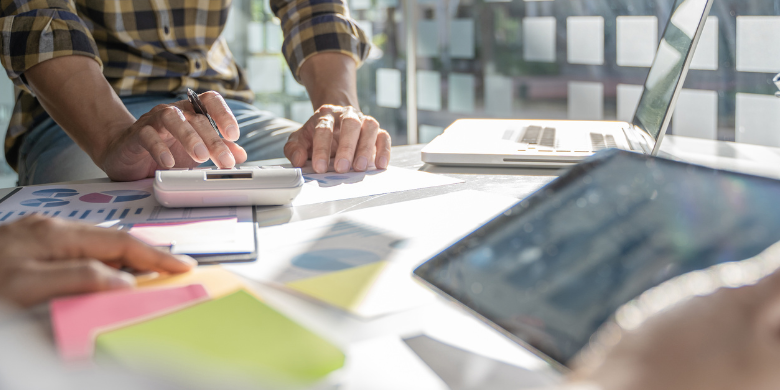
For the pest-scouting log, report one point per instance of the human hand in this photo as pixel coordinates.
(726, 340)
(41, 258)
(353, 139)
(173, 135)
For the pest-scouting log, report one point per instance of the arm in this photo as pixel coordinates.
(61, 66)
(326, 66)
(75, 94)
(41, 258)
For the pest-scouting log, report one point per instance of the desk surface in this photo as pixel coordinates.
(381, 358)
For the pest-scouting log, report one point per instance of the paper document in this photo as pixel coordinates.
(211, 236)
(236, 337)
(362, 261)
(77, 320)
(326, 187)
(128, 203)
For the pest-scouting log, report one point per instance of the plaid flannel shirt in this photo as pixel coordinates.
(154, 46)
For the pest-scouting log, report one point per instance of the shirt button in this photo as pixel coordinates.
(167, 30)
(197, 64)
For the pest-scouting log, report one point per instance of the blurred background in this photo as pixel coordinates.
(562, 59)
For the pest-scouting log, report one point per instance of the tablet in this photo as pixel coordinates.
(556, 266)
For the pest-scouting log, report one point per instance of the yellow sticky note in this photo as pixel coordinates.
(217, 280)
(344, 289)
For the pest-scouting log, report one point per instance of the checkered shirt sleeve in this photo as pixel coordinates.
(316, 26)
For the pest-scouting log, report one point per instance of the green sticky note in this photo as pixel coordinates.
(235, 336)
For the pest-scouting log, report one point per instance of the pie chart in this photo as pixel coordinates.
(118, 196)
(56, 193)
(44, 202)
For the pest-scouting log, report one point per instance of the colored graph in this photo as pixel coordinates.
(44, 202)
(117, 196)
(56, 193)
(334, 259)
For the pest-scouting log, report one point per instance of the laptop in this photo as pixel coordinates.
(610, 236)
(556, 143)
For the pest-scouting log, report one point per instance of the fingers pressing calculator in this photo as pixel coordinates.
(243, 186)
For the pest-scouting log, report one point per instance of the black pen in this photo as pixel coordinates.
(200, 108)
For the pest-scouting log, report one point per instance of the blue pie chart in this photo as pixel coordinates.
(56, 193)
(44, 202)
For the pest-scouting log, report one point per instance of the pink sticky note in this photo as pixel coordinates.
(77, 320)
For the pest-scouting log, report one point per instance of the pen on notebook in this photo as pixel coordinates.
(200, 108)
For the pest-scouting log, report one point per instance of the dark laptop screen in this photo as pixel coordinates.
(667, 72)
(555, 267)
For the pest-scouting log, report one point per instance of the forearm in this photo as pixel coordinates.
(330, 78)
(74, 92)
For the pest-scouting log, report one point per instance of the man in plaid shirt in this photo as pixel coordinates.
(99, 89)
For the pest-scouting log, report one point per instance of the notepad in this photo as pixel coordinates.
(236, 337)
(77, 320)
(217, 280)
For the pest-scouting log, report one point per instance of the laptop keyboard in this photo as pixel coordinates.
(544, 139)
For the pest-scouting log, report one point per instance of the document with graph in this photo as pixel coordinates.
(131, 206)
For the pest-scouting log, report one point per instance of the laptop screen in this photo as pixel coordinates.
(555, 267)
(672, 59)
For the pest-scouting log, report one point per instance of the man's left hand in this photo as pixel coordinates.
(354, 140)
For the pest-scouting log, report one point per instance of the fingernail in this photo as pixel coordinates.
(201, 152)
(186, 260)
(296, 158)
(382, 163)
(321, 166)
(342, 165)
(361, 164)
(227, 160)
(232, 132)
(121, 280)
(167, 159)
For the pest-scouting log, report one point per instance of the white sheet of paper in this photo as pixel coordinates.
(326, 187)
(419, 229)
(210, 236)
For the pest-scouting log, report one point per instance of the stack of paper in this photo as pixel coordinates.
(236, 337)
(77, 320)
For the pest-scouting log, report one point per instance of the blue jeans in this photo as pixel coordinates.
(48, 155)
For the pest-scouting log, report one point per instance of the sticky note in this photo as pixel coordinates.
(706, 55)
(757, 48)
(586, 100)
(758, 119)
(236, 336)
(637, 40)
(428, 90)
(462, 38)
(539, 39)
(388, 88)
(217, 280)
(77, 320)
(461, 87)
(585, 40)
(628, 97)
(696, 114)
(344, 289)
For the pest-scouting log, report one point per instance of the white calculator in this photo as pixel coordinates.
(243, 186)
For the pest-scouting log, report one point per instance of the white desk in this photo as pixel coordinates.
(377, 356)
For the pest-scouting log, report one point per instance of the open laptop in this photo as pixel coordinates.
(551, 270)
(550, 143)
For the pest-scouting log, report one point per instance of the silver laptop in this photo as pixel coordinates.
(556, 143)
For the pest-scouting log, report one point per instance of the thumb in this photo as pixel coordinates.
(38, 282)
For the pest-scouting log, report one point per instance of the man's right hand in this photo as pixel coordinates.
(173, 135)
(78, 97)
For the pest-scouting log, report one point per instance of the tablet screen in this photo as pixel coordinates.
(556, 266)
